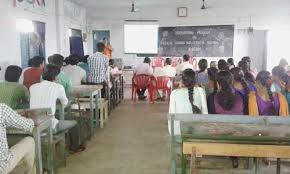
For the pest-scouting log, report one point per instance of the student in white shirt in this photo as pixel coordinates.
(45, 95)
(189, 99)
(168, 69)
(184, 65)
(76, 73)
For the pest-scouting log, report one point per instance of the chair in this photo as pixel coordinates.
(142, 82)
(161, 83)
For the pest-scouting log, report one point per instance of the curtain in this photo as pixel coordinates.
(76, 42)
(32, 44)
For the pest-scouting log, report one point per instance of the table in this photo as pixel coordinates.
(240, 136)
(94, 91)
(43, 123)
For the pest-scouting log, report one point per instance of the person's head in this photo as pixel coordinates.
(239, 76)
(244, 65)
(56, 59)
(223, 65)
(188, 81)
(168, 61)
(283, 63)
(73, 59)
(100, 47)
(13, 73)
(147, 60)
(264, 79)
(85, 59)
(186, 58)
(111, 62)
(212, 76)
(278, 73)
(247, 59)
(37, 62)
(213, 64)
(202, 64)
(226, 94)
(51, 72)
(231, 61)
(29, 63)
(179, 61)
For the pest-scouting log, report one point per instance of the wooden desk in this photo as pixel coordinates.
(93, 91)
(43, 124)
(240, 136)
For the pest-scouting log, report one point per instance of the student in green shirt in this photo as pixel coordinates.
(62, 78)
(12, 93)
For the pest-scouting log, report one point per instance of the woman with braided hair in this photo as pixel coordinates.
(188, 99)
(264, 101)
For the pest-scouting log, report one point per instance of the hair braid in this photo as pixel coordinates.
(195, 109)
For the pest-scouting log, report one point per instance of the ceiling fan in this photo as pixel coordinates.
(133, 8)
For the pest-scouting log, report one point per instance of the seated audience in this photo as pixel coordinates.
(212, 84)
(231, 63)
(23, 150)
(226, 100)
(245, 66)
(223, 65)
(22, 74)
(62, 77)
(278, 75)
(287, 91)
(114, 70)
(169, 71)
(33, 74)
(201, 75)
(144, 68)
(213, 64)
(184, 65)
(188, 99)
(84, 64)
(98, 66)
(76, 73)
(45, 95)
(253, 71)
(12, 93)
(264, 102)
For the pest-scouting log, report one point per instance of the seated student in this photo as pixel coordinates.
(184, 65)
(114, 70)
(76, 73)
(23, 150)
(84, 64)
(33, 74)
(12, 93)
(213, 64)
(278, 74)
(287, 91)
(226, 100)
(252, 71)
(245, 67)
(62, 77)
(202, 76)
(169, 71)
(212, 84)
(45, 95)
(143, 69)
(264, 102)
(231, 63)
(223, 65)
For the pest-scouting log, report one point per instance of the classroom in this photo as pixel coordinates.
(144, 87)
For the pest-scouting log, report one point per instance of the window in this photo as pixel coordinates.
(141, 38)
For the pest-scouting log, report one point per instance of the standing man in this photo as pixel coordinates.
(98, 67)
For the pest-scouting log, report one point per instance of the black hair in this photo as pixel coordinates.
(85, 59)
(50, 72)
(29, 63)
(13, 73)
(247, 59)
(239, 76)
(202, 64)
(226, 94)
(37, 61)
(73, 59)
(264, 77)
(223, 65)
(101, 47)
(186, 57)
(168, 61)
(147, 60)
(231, 61)
(188, 80)
(56, 59)
(212, 76)
(111, 62)
(279, 71)
(244, 65)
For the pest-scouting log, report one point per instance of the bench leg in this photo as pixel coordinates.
(102, 117)
(256, 165)
(278, 166)
(193, 169)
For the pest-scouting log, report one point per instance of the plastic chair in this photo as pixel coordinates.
(142, 82)
(161, 83)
